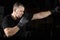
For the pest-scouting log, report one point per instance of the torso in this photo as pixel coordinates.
(11, 22)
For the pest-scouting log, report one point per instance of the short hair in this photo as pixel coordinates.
(17, 4)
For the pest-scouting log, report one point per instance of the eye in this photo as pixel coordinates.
(21, 10)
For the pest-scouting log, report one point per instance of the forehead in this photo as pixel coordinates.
(21, 7)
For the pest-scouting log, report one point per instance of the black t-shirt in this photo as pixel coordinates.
(8, 21)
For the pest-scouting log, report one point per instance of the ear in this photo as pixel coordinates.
(14, 9)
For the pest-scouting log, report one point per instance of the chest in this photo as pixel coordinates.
(12, 23)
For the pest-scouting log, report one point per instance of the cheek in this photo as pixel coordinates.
(20, 13)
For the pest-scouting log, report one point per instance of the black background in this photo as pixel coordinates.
(7, 4)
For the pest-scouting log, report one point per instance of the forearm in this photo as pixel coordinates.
(41, 15)
(11, 31)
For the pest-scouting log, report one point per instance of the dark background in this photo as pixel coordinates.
(7, 8)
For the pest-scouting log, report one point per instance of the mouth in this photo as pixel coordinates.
(19, 16)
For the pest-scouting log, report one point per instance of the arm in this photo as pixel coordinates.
(11, 31)
(41, 15)
(8, 30)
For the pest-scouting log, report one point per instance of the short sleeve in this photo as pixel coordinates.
(8, 21)
(5, 22)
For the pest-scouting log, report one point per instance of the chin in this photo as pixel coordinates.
(19, 17)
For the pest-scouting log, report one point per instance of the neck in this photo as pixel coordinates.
(14, 16)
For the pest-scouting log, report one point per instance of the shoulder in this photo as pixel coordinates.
(8, 17)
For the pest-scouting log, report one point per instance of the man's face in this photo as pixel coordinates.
(20, 11)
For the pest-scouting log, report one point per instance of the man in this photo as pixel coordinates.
(11, 29)
(13, 24)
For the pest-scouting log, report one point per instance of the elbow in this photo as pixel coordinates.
(7, 32)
